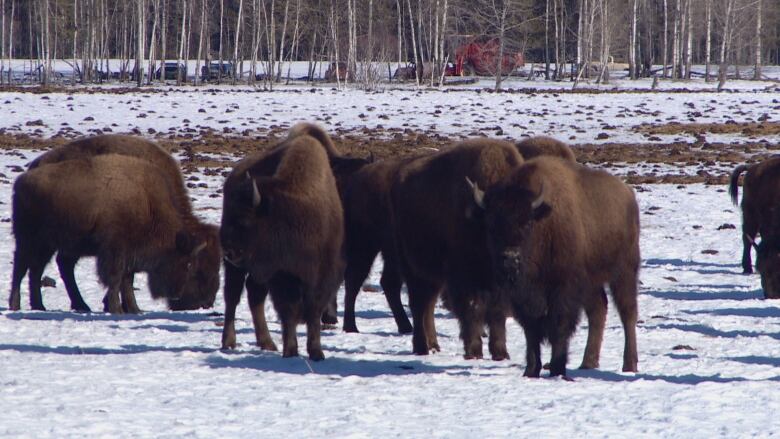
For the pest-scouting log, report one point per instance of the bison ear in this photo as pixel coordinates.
(541, 211)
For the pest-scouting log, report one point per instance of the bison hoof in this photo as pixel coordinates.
(630, 369)
(747, 271)
(500, 356)
(404, 329)
(329, 319)
(351, 329)
(268, 346)
(290, 353)
(589, 364)
(531, 373)
(317, 355)
(81, 308)
(472, 357)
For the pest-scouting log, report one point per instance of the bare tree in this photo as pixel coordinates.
(757, 68)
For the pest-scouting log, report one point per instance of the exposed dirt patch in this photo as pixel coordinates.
(649, 163)
(746, 129)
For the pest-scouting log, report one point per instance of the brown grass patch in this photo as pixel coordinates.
(744, 128)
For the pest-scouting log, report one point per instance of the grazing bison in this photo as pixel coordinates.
(543, 145)
(282, 231)
(440, 244)
(368, 232)
(202, 295)
(116, 207)
(759, 217)
(559, 233)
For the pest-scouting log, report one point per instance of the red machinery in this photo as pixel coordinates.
(475, 57)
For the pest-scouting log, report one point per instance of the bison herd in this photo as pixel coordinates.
(495, 229)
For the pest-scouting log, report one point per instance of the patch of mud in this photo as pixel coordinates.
(746, 129)
(637, 163)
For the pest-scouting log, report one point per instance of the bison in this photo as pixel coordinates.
(559, 234)
(282, 231)
(207, 264)
(760, 217)
(543, 145)
(440, 244)
(116, 207)
(368, 232)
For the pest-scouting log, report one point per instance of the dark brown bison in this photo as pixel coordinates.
(282, 231)
(343, 169)
(116, 207)
(369, 231)
(761, 196)
(440, 245)
(543, 145)
(208, 261)
(559, 234)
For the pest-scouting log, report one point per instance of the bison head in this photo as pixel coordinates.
(170, 277)
(768, 264)
(202, 282)
(245, 215)
(509, 213)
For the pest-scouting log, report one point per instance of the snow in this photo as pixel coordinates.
(709, 345)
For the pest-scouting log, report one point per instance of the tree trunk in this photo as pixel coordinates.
(689, 46)
(182, 39)
(418, 63)
(724, 44)
(201, 33)
(666, 39)
(632, 65)
(676, 41)
(236, 74)
(757, 69)
(281, 40)
(547, 39)
(708, 45)
(139, 52)
(400, 32)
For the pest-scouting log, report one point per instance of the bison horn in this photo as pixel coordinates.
(539, 200)
(199, 248)
(751, 241)
(255, 194)
(479, 194)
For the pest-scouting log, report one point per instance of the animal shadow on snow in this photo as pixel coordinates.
(334, 366)
(128, 349)
(768, 312)
(700, 267)
(731, 293)
(689, 379)
(61, 316)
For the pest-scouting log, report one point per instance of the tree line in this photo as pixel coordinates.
(559, 39)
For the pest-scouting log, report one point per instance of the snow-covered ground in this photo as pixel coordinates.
(709, 345)
(572, 117)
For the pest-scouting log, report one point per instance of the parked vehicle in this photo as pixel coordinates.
(172, 70)
(215, 70)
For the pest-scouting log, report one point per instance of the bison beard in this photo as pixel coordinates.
(200, 294)
(115, 207)
(761, 193)
(441, 246)
(558, 233)
(282, 232)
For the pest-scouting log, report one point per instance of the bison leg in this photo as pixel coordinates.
(532, 328)
(596, 310)
(560, 354)
(329, 315)
(234, 285)
(358, 266)
(66, 265)
(749, 232)
(496, 320)
(313, 330)
(288, 313)
(129, 305)
(430, 326)
(34, 278)
(19, 270)
(391, 285)
(470, 319)
(624, 292)
(422, 301)
(256, 293)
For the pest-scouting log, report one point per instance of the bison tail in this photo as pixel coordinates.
(734, 184)
(313, 130)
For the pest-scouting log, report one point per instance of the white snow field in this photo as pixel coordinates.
(709, 344)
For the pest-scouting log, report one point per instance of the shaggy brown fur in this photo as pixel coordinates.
(368, 232)
(282, 231)
(441, 245)
(761, 195)
(554, 258)
(209, 259)
(543, 145)
(116, 207)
